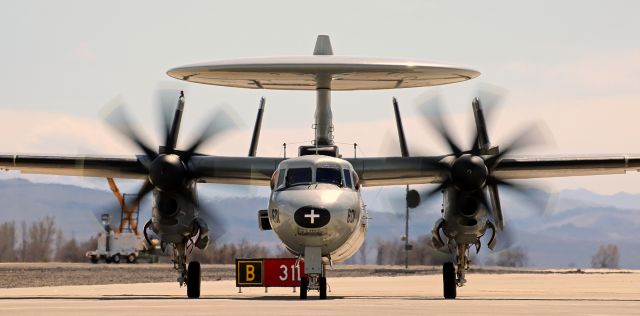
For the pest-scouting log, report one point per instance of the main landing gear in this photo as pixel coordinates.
(191, 276)
(451, 279)
(193, 280)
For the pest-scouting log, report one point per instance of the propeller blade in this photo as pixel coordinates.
(119, 120)
(432, 114)
(485, 203)
(538, 199)
(221, 121)
(206, 213)
(529, 136)
(438, 189)
(142, 192)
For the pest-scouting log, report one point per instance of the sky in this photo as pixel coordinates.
(571, 66)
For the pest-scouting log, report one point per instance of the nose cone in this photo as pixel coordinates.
(314, 216)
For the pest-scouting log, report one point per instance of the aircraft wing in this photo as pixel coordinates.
(565, 166)
(234, 170)
(211, 169)
(396, 170)
(115, 167)
(420, 170)
(378, 171)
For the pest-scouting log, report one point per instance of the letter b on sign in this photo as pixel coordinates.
(249, 273)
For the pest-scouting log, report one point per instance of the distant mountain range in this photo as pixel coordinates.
(567, 233)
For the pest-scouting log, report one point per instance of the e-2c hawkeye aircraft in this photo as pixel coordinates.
(316, 208)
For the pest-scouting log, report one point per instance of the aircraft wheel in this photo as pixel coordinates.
(131, 258)
(116, 258)
(193, 279)
(94, 259)
(323, 288)
(304, 287)
(449, 280)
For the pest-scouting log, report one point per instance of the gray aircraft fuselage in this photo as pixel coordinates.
(315, 202)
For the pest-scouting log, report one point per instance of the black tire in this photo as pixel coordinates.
(131, 258)
(449, 280)
(94, 259)
(304, 287)
(107, 259)
(323, 288)
(116, 258)
(193, 280)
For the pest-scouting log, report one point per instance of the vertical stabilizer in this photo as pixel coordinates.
(256, 130)
(323, 46)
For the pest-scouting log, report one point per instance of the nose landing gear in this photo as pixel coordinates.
(313, 283)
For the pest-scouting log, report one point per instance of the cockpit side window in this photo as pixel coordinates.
(329, 175)
(281, 174)
(347, 178)
(297, 176)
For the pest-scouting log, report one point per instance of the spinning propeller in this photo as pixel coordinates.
(472, 171)
(168, 167)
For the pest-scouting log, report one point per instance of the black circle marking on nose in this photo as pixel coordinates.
(312, 217)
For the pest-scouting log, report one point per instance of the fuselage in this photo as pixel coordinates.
(316, 202)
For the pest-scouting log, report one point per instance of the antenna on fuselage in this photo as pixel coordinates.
(256, 129)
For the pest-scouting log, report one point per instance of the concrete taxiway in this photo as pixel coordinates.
(486, 294)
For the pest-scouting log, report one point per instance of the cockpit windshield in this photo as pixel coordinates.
(297, 176)
(329, 175)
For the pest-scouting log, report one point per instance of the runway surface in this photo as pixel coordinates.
(485, 294)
